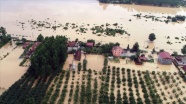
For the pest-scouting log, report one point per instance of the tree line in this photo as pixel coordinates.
(151, 2)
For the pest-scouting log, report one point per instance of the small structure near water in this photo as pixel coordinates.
(72, 45)
(180, 60)
(117, 51)
(165, 58)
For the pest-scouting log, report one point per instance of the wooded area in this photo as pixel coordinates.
(172, 3)
(49, 56)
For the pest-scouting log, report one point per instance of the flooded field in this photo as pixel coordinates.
(10, 71)
(83, 12)
(146, 66)
(95, 62)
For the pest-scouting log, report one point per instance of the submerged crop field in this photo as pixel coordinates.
(112, 86)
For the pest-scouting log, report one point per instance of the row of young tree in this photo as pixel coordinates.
(50, 56)
(27, 90)
(151, 2)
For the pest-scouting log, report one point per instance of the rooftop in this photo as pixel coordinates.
(116, 47)
(165, 55)
(90, 44)
(184, 68)
(71, 44)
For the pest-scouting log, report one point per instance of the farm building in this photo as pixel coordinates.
(180, 60)
(117, 51)
(165, 58)
(72, 45)
(90, 44)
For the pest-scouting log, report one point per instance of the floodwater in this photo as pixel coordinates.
(10, 71)
(82, 12)
(94, 62)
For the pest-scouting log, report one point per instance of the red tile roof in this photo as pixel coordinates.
(90, 44)
(165, 55)
(117, 51)
(184, 68)
(71, 44)
(25, 45)
(143, 58)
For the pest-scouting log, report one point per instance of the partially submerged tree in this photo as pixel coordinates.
(79, 66)
(3, 30)
(136, 47)
(152, 37)
(174, 53)
(128, 47)
(161, 50)
(183, 50)
(117, 44)
(23, 39)
(153, 50)
(76, 40)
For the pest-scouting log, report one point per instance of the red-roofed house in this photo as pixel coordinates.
(25, 45)
(165, 58)
(72, 45)
(90, 44)
(143, 58)
(117, 51)
(32, 49)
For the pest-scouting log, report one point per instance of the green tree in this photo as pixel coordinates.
(23, 39)
(3, 30)
(84, 64)
(40, 38)
(183, 50)
(29, 101)
(79, 66)
(136, 47)
(175, 53)
(152, 37)
(153, 50)
(117, 44)
(128, 47)
(76, 40)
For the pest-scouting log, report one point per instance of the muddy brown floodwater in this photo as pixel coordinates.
(92, 12)
(86, 12)
(94, 62)
(10, 71)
